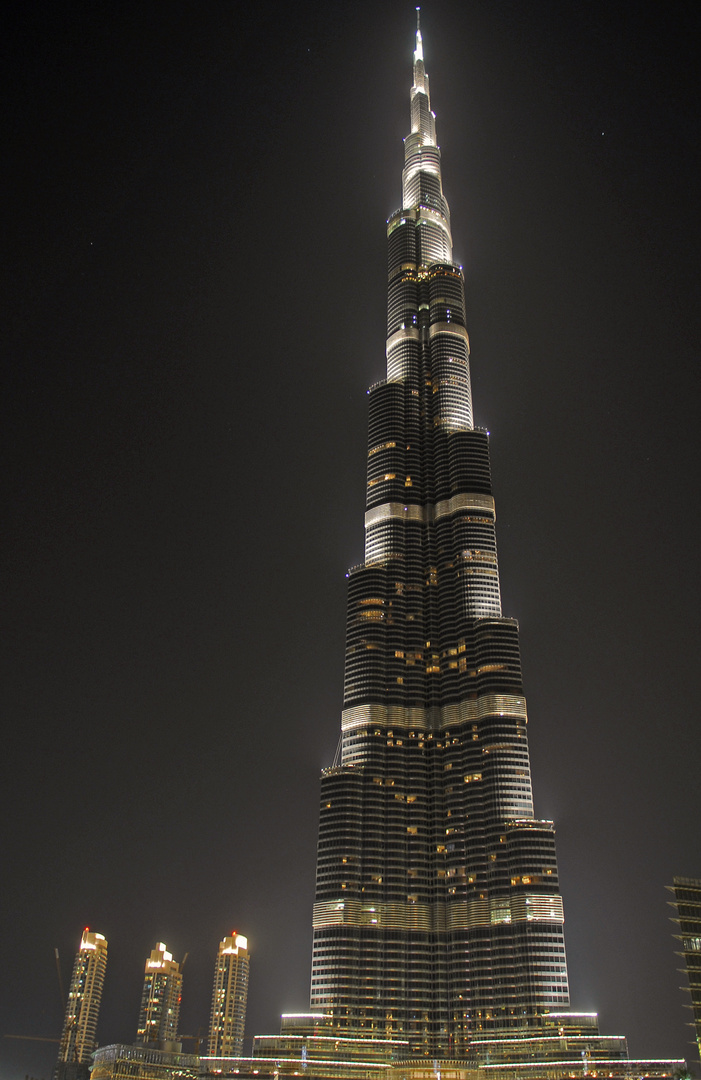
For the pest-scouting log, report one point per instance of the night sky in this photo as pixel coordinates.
(193, 307)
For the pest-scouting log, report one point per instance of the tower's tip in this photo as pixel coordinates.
(419, 51)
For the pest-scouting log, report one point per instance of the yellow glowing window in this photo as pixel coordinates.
(412, 830)
(381, 446)
(381, 479)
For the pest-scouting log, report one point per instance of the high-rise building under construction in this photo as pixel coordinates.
(437, 914)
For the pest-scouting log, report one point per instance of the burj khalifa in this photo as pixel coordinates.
(437, 914)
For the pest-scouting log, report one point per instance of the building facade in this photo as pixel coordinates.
(437, 915)
(229, 997)
(79, 1037)
(687, 906)
(121, 1062)
(160, 1000)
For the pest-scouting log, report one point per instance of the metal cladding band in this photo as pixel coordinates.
(437, 914)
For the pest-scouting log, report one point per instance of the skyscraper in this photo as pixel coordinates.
(229, 997)
(687, 905)
(160, 999)
(79, 1037)
(437, 914)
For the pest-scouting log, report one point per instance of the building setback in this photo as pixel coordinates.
(229, 997)
(79, 1037)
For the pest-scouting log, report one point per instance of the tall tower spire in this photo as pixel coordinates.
(437, 916)
(419, 50)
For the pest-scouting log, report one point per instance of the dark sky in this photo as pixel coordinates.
(193, 307)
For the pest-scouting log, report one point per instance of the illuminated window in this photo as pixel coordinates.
(381, 479)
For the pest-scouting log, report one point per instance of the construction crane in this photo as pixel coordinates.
(60, 981)
(47, 1038)
(197, 1039)
(34, 1038)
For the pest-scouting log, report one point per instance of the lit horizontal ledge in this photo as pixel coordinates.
(441, 916)
(428, 511)
(449, 328)
(437, 717)
(418, 215)
(602, 1067)
(254, 1064)
(410, 333)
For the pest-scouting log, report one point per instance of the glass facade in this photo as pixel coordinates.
(438, 917)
